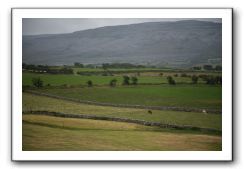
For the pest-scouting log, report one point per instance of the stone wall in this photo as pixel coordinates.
(183, 109)
(117, 119)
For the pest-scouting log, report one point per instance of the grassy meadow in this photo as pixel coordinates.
(89, 135)
(34, 103)
(197, 96)
(152, 89)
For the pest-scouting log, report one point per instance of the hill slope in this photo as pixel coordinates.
(181, 43)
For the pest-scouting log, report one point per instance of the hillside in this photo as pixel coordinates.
(177, 44)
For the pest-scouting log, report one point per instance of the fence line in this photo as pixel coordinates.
(117, 119)
(184, 109)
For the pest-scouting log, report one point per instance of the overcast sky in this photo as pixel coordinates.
(35, 26)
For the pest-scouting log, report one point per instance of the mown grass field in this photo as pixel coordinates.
(44, 133)
(197, 96)
(74, 79)
(33, 102)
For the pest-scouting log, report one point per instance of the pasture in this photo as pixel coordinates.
(33, 103)
(197, 96)
(59, 134)
(152, 90)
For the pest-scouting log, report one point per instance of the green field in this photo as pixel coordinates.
(54, 133)
(43, 133)
(198, 96)
(61, 79)
(33, 102)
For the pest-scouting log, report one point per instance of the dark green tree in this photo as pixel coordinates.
(77, 64)
(171, 81)
(37, 82)
(126, 80)
(194, 79)
(89, 83)
(207, 67)
(113, 82)
(134, 80)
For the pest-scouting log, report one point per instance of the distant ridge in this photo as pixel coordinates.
(177, 44)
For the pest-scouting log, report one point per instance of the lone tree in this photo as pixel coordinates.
(89, 83)
(207, 67)
(113, 82)
(171, 81)
(194, 79)
(77, 64)
(126, 80)
(37, 82)
(134, 80)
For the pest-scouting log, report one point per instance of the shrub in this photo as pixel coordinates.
(208, 67)
(134, 80)
(171, 81)
(37, 82)
(77, 64)
(113, 82)
(126, 80)
(210, 80)
(194, 79)
(89, 83)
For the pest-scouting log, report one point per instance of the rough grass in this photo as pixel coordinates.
(44, 133)
(33, 102)
(199, 96)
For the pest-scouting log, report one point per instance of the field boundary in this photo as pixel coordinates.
(117, 119)
(184, 109)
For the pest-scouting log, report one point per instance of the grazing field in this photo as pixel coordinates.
(33, 103)
(74, 79)
(196, 96)
(152, 90)
(44, 133)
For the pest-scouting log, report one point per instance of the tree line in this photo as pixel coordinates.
(208, 67)
(47, 69)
